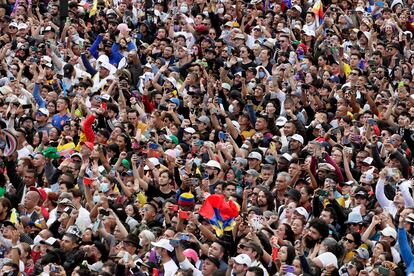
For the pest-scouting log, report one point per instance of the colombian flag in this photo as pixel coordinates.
(219, 213)
(318, 11)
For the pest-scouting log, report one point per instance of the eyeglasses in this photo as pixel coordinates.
(348, 240)
(354, 74)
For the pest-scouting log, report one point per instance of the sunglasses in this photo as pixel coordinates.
(348, 240)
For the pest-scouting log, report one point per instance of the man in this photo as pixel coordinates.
(254, 160)
(30, 201)
(163, 249)
(96, 254)
(254, 271)
(265, 199)
(21, 185)
(318, 231)
(254, 252)
(213, 168)
(73, 256)
(217, 251)
(240, 265)
(42, 116)
(39, 163)
(282, 183)
(83, 220)
(62, 116)
(229, 189)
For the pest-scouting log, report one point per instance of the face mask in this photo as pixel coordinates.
(304, 66)
(158, 256)
(231, 108)
(177, 152)
(104, 187)
(37, 239)
(220, 10)
(251, 85)
(184, 9)
(197, 161)
(205, 13)
(96, 199)
(261, 75)
(157, 13)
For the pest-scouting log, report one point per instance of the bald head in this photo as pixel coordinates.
(31, 200)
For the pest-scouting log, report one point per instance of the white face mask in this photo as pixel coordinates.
(220, 10)
(184, 9)
(157, 13)
(104, 187)
(205, 13)
(231, 108)
(96, 199)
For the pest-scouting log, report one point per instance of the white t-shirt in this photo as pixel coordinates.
(170, 268)
(328, 258)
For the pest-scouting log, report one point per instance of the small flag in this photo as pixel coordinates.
(220, 213)
(318, 11)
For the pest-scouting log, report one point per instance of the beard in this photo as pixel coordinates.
(260, 203)
(309, 242)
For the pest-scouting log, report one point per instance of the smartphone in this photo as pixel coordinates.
(289, 269)
(322, 193)
(248, 184)
(199, 143)
(173, 208)
(175, 243)
(371, 121)
(103, 212)
(68, 210)
(219, 100)
(27, 106)
(383, 270)
(194, 181)
(357, 138)
(184, 237)
(379, 4)
(54, 268)
(153, 146)
(126, 257)
(162, 107)
(222, 136)
(96, 225)
(183, 214)
(229, 50)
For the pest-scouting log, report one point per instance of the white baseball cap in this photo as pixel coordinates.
(243, 259)
(163, 243)
(213, 164)
(298, 138)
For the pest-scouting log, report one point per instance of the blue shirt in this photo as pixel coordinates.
(58, 121)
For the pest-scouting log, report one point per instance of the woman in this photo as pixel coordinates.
(350, 243)
(286, 255)
(132, 216)
(379, 248)
(284, 232)
(297, 227)
(145, 239)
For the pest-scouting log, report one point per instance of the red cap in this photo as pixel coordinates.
(41, 192)
(90, 145)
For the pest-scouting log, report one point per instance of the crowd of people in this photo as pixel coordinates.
(205, 137)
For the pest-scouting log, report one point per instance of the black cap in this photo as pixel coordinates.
(132, 239)
(9, 223)
(294, 194)
(102, 248)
